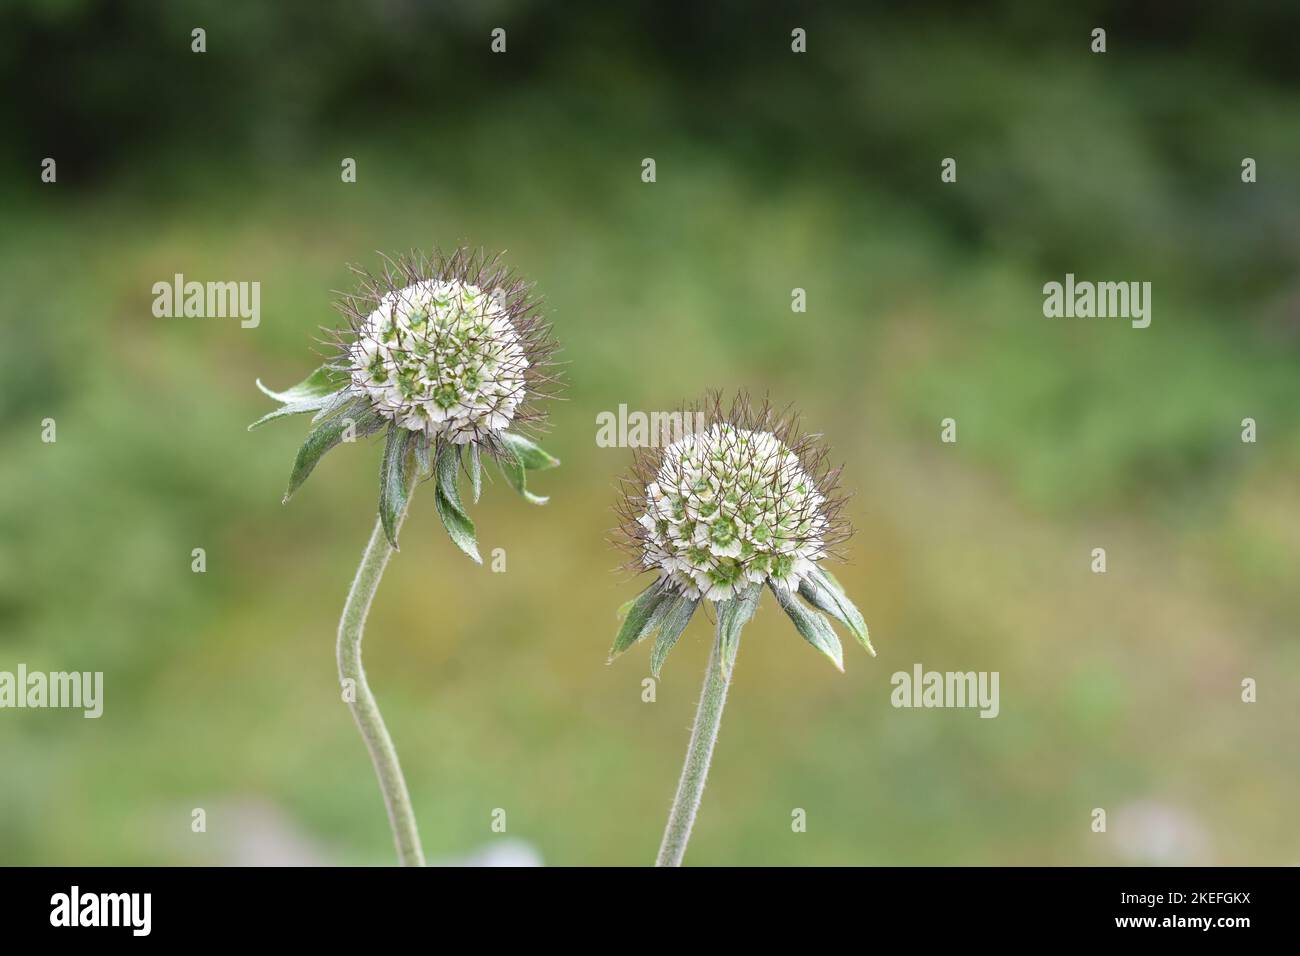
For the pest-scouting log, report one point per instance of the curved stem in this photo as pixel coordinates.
(698, 754)
(362, 702)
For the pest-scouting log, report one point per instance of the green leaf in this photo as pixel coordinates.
(319, 384)
(816, 630)
(674, 622)
(514, 472)
(641, 617)
(422, 445)
(824, 593)
(475, 472)
(831, 579)
(447, 500)
(395, 480)
(294, 408)
(332, 404)
(733, 615)
(531, 455)
(357, 416)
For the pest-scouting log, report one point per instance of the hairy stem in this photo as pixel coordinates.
(362, 702)
(696, 770)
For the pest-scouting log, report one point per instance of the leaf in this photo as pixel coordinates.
(641, 617)
(531, 455)
(733, 615)
(514, 472)
(358, 414)
(335, 403)
(447, 500)
(824, 593)
(319, 384)
(475, 472)
(395, 480)
(422, 461)
(831, 579)
(816, 630)
(674, 622)
(294, 408)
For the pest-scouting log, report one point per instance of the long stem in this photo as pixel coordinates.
(362, 702)
(696, 769)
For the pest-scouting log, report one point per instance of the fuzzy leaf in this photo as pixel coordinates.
(475, 472)
(831, 579)
(674, 622)
(335, 403)
(514, 472)
(823, 592)
(395, 480)
(422, 445)
(294, 408)
(641, 617)
(447, 500)
(814, 627)
(531, 455)
(733, 615)
(319, 384)
(358, 414)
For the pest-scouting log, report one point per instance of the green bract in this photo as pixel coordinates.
(342, 416)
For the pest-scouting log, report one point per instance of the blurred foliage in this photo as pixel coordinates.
(774, 171)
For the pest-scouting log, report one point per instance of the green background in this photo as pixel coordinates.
(775, 171)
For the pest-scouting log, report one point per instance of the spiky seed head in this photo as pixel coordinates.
(451, 346)
(745, 499)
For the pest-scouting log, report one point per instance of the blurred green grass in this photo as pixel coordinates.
(1115, 689)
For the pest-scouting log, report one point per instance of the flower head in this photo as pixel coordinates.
(729, 507)
(452, 346)
(450, 355)
(747, 500)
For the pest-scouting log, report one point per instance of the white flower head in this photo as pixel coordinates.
(734, 504)
(451, 347)
(443, 358)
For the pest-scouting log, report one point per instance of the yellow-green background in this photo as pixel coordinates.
(775, 171)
